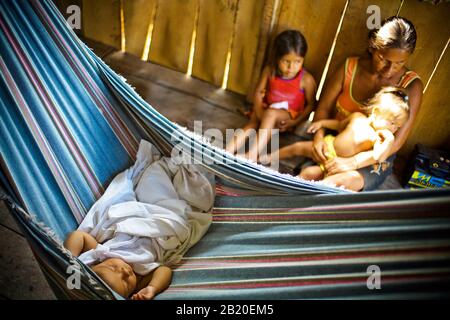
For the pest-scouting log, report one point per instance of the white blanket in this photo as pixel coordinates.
(151, 213)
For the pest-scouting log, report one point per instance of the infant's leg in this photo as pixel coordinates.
(311, 173)
(79, 241)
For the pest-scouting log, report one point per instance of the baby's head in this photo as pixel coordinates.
(118, 274)
(288, 53)
(388, 109)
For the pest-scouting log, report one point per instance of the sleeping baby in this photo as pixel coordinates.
(148, 217)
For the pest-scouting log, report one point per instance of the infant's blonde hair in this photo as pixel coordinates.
(390, 101)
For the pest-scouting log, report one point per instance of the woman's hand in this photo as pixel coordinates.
(338, 165)
(146, 293)
(319, 150)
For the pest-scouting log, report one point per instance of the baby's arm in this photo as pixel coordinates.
(79, 241)
(158, 281)
(383, 145)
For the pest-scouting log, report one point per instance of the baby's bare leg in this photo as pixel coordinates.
(79, 241)
(311, 173)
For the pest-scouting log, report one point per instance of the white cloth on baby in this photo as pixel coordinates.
(151, 213)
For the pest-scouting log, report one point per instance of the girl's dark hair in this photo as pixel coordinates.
(394, 33)
(286, 42)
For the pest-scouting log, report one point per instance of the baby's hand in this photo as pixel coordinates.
(314, 127)
(146, 293)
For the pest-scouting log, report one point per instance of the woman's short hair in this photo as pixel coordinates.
(394, 33)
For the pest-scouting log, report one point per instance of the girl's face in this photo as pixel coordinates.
(289, 65)
(389, 62)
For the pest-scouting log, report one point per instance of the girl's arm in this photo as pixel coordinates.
(157, 282)
(325, 108)
(260, 91)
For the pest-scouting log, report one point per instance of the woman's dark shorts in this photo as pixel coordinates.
(375, 175)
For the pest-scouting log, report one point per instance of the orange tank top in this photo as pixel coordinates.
(346, 104)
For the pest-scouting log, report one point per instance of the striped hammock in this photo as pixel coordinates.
(69, 124)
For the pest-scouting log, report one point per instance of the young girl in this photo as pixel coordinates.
(284, 96)
(386, 112)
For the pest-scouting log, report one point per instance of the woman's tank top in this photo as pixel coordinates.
(346, 104)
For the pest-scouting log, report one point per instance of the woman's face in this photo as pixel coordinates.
(389, 62)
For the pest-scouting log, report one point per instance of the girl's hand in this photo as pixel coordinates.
(146, 293)
(338, 165)
(285, 125)
(314, 127)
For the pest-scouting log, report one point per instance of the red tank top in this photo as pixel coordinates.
(279, 89)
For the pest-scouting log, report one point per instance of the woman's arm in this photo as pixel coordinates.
(325, 108)
(415, 92)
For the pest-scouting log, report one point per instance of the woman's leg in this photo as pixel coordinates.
(351, 180)
(268, 122)
(240, 135)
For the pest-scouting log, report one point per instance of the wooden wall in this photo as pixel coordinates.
(233, 36)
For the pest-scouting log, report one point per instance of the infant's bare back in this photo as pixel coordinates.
(357, 137)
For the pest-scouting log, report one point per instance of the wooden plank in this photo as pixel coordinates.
(432, 123)
(20, 276)
(137, 17)
(271, 7)
(172, 33)
(433, 30)
(352, 39)
(215, 29)
(245, 44)
(318, 21)
(101, 21)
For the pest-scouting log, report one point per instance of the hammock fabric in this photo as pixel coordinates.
(69, 124)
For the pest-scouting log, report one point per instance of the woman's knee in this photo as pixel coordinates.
(351, 180)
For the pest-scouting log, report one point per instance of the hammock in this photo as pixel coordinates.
(69, 124)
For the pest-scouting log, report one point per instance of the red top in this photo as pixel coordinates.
(279, 89)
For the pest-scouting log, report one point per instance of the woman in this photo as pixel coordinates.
(356, 82)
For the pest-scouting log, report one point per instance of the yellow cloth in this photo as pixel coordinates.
(329, 141)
